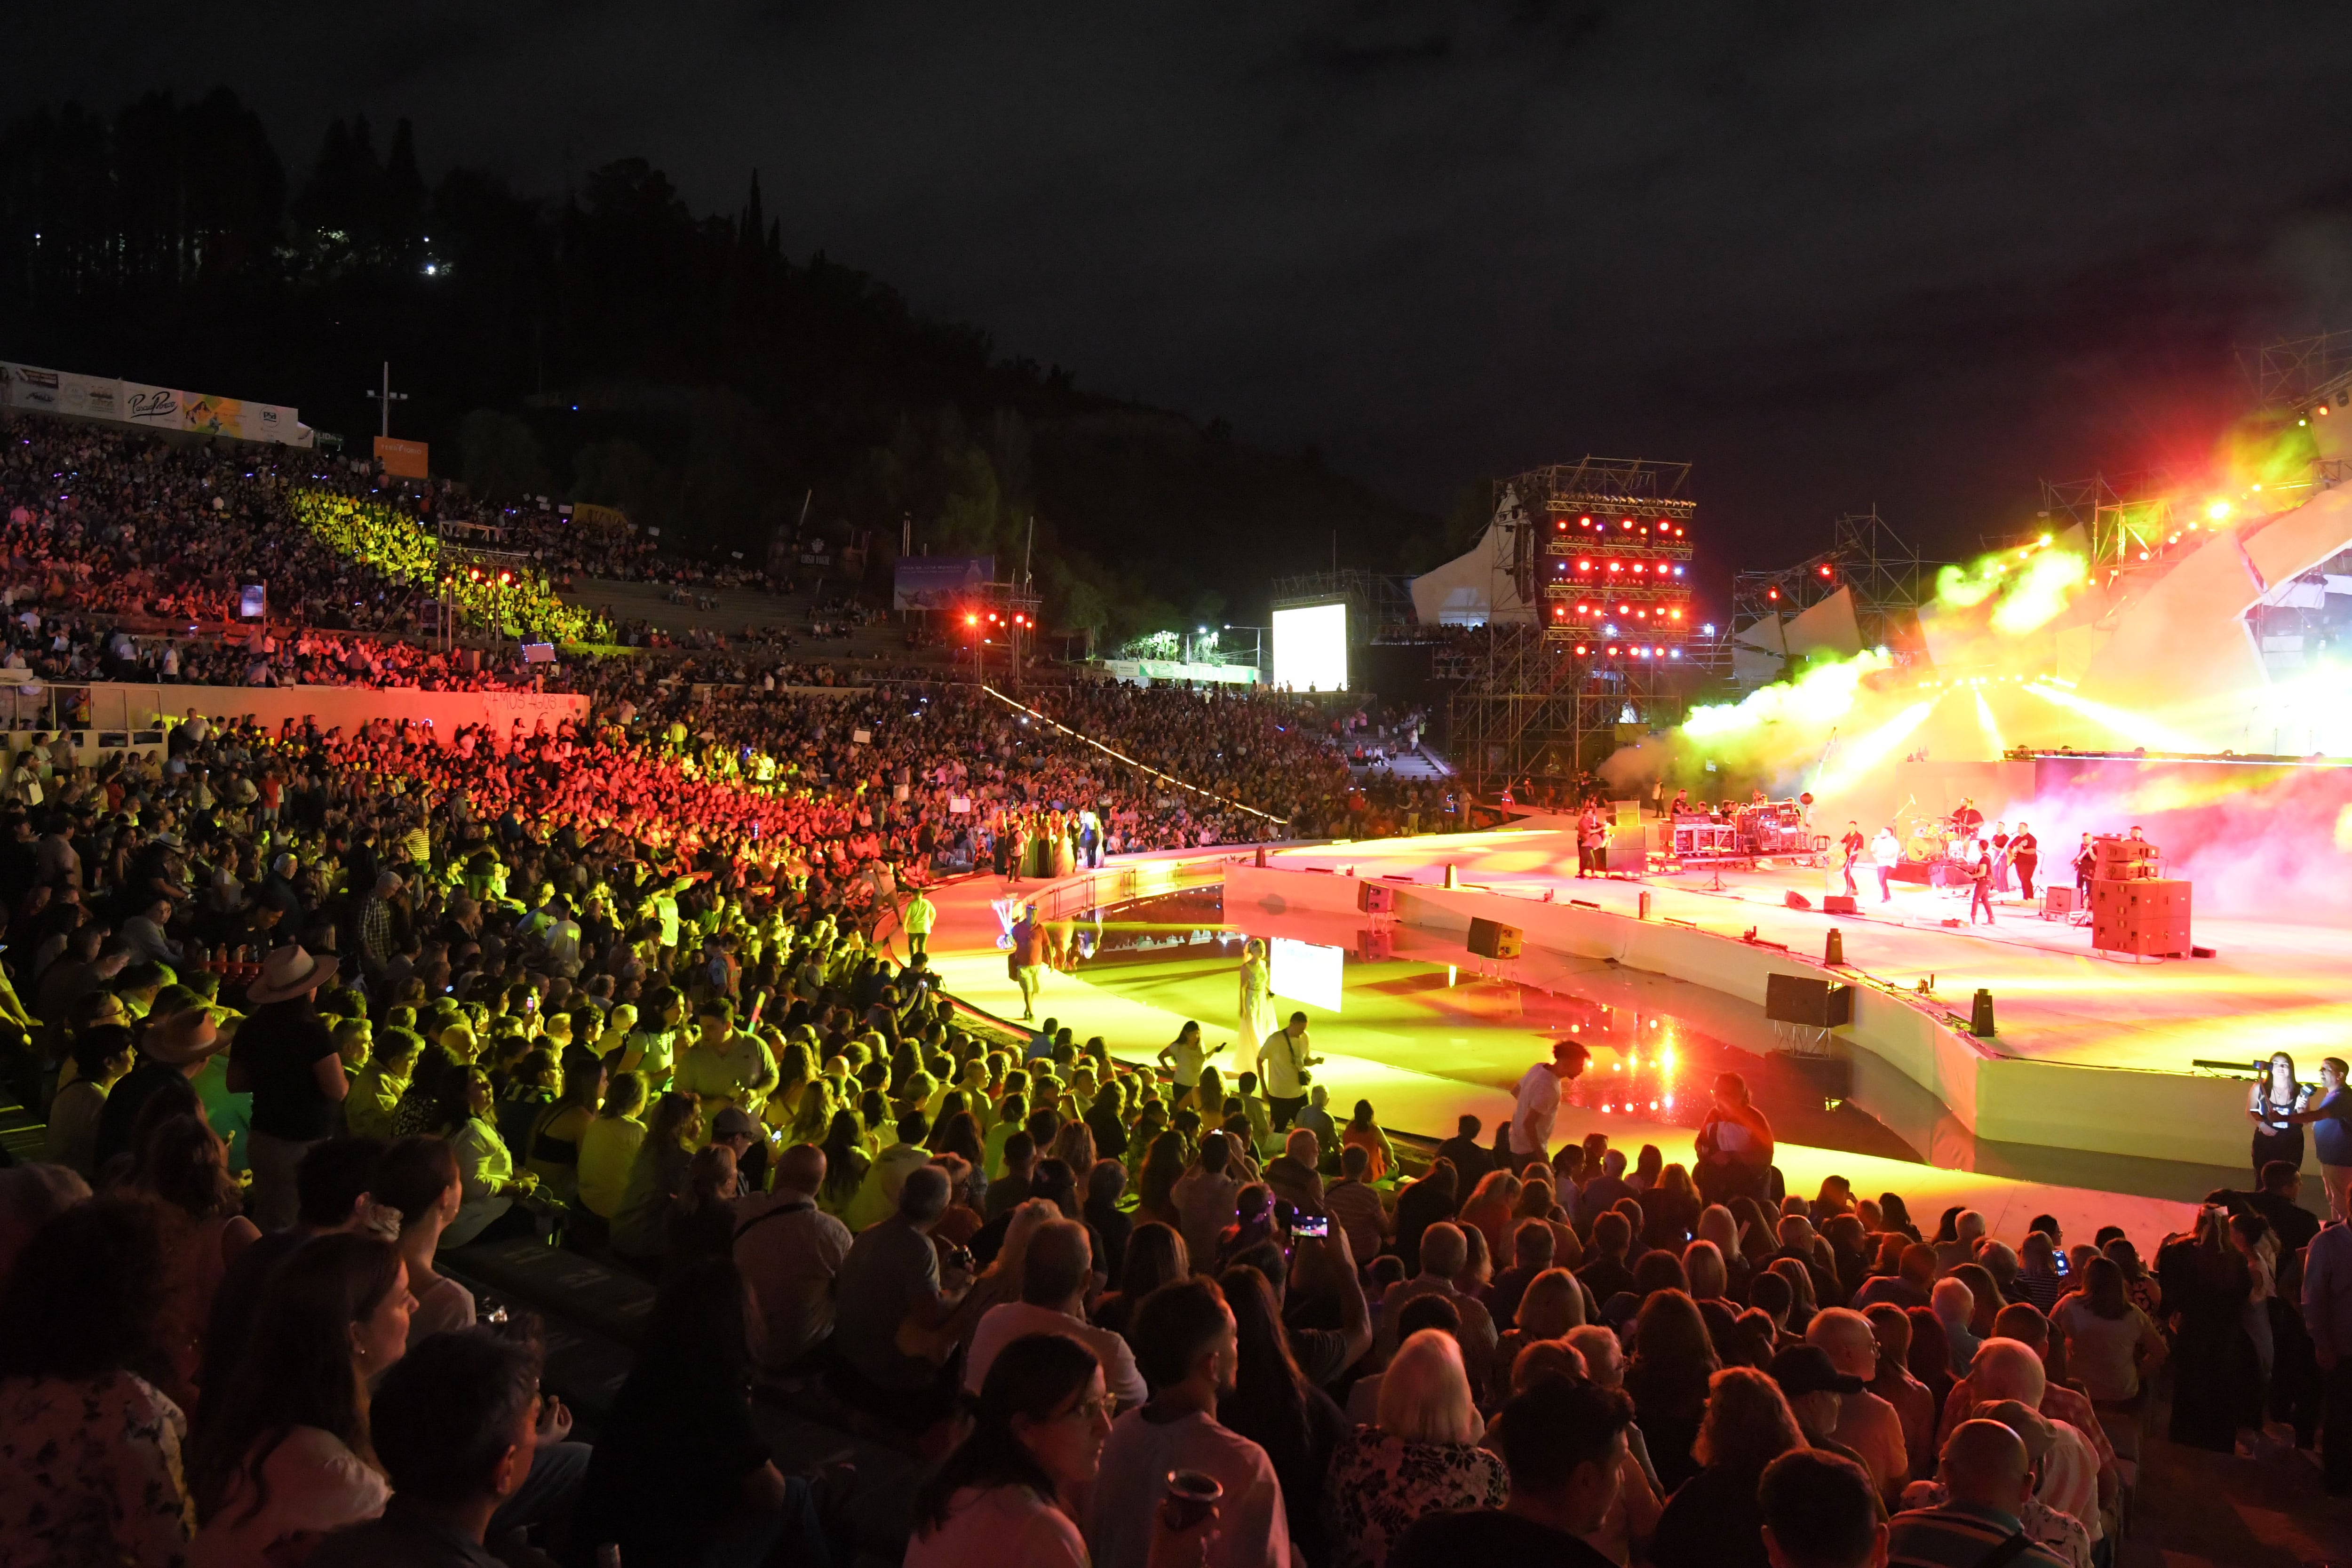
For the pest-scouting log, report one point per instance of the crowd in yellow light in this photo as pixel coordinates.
(515, 602)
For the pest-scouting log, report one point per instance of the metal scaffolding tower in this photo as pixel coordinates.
(1884, 573)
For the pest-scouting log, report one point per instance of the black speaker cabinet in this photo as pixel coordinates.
(1815, 1003)
(1493, 939)
(1375, 898)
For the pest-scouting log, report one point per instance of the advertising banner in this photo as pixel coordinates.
(402, 459)
(933, 582)
(611, 518)
(149, 407)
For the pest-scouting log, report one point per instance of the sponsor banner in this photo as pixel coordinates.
(606, 517)
(403, 459)
(1147, 671)
(134, 403)
(933, 582)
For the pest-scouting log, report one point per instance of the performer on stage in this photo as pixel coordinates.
(1886, 853)
(1852, 845)
(1537, 1102)
(1734, 1145)
(1968, 819)
(2271, 1105)
(2024, 855)
(2087, 861)
(2000, 856)
(1980, 888)
(1256, 1007)
(1591, 844)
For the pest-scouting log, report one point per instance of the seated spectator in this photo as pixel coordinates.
(1364, 1132)
(2061, 1534)
(1204, 1198)
(1954, 1305)
(491, 1209)
(1490, 1207)
(680, 1474)
(89, 1449)
(1186, 1345)
(878, 1192)
(1818, 1512)
(1674, 1362)
(1442, 1253)
(1626, 1531)
(1866, 1425)
(103, 1057)
(1714, 1521)
(1354, 1204)
(701, 1220)
(1987, 1475)
(1296, 1174)
(1670, 1209)
(1419, 1457)
(1532, 1244)
(2079, 1472)
(1564, 1443)
(1554, 1304)
(1055, 1269)
(790, 1251)
(1605, 1272)
(608, 1146)
(283, 1460)
(1106, 1184)
(377, 1088)
(455, 1427)
(1914, 1405)
(891, 1287)
(1908, 1287)
(1469, 1160)
(418, 1181)
(657, 1177)
(1155, 1255)
(1012, 1493)
(553, 1137)
(1421, 1204)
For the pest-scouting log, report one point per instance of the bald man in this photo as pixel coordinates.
(1866, 1424)
(1987, 1476)
(790, 1250)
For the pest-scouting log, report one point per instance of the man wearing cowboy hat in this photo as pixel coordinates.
(178, 1047)
(285, 1056)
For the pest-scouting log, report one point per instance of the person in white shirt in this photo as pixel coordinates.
(1885, 853)
(1282, 1064)
(1055, 1272)
(1184, 1339)
(1866, 1424)
(1538, 1102)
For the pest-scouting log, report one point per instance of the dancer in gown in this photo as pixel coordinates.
(1257, 1021)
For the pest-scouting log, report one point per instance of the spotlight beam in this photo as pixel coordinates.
(1867, 753)
(1991, 729)
(2138, 728)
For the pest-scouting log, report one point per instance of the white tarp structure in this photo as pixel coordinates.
(1828, 627)
(1477, 586)
(136, 403)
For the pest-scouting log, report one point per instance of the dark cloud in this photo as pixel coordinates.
(1834, 255)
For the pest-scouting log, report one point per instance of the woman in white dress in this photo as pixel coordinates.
(1256, 1008)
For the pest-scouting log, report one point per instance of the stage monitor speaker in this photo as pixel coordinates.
(1493, 939)
(1839, 904)
(1796, 900)
(2057, 902)
(1801, 999)
(1376, 898)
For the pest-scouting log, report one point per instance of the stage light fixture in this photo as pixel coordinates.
(971, 620)
(1772, 593)
(1825, 571)
(2218, 509)
(1616, 566)
(1579, 650)
(1584, 566)
(1586, 521)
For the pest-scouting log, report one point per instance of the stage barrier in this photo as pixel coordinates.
(2185, 1116)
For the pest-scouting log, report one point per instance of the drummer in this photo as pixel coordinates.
(1968, 819)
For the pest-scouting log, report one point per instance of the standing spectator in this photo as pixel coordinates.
(2327, 1314)
(1423, 1204)
(1536, 1106)
(90, 1452)
(1564, 1442)
(285, 1056)
(680, 1475)
(2110, 1342)
(1275, 1406)
(1714, 1520)
(1673, 1361)
(1204, 1198)
(284, 1459)
(1354, 1204)
(1011, 1494)
(2206, 1284)
(455, 1427)
(790, 1251)
(1155, 1255)
(1734, 1145)
(1421, 1458)
(1186, 1344)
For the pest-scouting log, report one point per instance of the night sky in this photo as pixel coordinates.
(1919, 255)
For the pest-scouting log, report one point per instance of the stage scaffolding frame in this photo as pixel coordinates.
(1380, 604)
(1527, 706)
(1887, 576)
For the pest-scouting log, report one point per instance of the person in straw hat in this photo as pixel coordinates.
(285, 1056)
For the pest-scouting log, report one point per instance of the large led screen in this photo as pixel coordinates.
(1307, 971)
(1311, 648)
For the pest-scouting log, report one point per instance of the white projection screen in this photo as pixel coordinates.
(1307, 971)
(1311, 648)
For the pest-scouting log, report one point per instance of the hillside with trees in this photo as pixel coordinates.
(612, 346)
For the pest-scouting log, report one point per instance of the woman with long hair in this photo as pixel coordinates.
(1673, 1359)
(680, 1475)
(2111, 1345)
(90, 1447)
(1712, 1520)
(1014, 1489)
(492, 1210)
(845, 1163)
(1552, 1304)
(1256, 1022)
(1155, 1255)
(656, 1178)
(1490, 1207)
(1364, 1131)
(1420, 1456)
(553, 1140)
(1162, 1167)
(2272, 1103)
(1670, 1208)
(287, 1454)
(184, 1162)
(1274, 1406)
(2206, 1282)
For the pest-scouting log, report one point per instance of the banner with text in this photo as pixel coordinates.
(933, 582)
(402, 459)
(134, 403)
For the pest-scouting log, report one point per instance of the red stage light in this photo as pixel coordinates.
(971, 620)
(1584, 566)
(1825, 571)
(1585, 521)
(1626, 522)
(1558, 615)
(1616, 566)
(1580, 647)
(1772, 593)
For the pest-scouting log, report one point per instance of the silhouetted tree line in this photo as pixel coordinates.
(614, 347)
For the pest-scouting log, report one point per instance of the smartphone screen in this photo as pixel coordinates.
(1311, 1224)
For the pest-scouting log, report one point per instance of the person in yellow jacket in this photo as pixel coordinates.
(919, 916)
